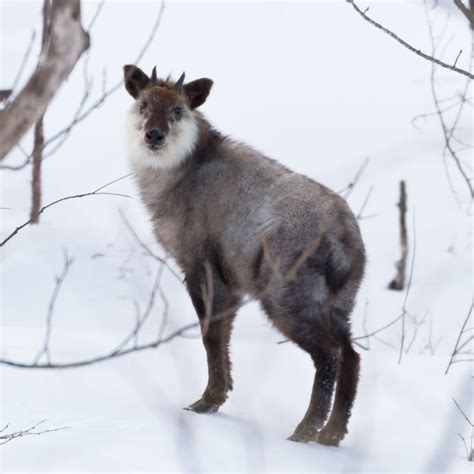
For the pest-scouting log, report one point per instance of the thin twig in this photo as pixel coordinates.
(466, 12)
(141, 320)
(96, 15)
(447, 133)
(162, 260)
(410, 279)
(462, 413)
(23, 62)
(461, 332)
(364, 204)
(75, 196)
(45, 350)
(346, 192)
(7, 437)
(457, 57)
(409, 46)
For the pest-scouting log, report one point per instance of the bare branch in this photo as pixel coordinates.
(409, 46)
(36, 172)
(7, 437)
(346, 192)
(448, 133)
(469, 452)
(462, 413)
(398, 282)
(417, 323)
(38, 133)
(458, 341)
(360, 215)
(26, 161)
(147, 249)
(23, 63)
(75, 196)
(96, 15)
(410, 279)
(66, 44)
(141, 319)
(45, 350)
(466, 12)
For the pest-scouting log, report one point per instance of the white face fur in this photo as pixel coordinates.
(179, 144)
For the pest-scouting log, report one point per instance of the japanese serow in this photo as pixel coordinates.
(239, 225)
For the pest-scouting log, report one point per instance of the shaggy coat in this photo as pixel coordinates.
(238, 223)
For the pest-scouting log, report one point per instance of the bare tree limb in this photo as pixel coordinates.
(23, 63)
(97, 192)
(469, 14)
(448, 132)
(417, 325)
(67, 42)
(457, 346)
(45, 350)
(36, 171)
(398, 282)
(141, 319)
(96, 15)
(459, 99)
(462, 413)
(360, 215)
(469, 451)
(147, 249)
(7, 437)
(410, 279)
(38, 133)
(409, 46)
(27, 160)
(346, 192)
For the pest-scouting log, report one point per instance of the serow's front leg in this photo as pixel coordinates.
(216, 319)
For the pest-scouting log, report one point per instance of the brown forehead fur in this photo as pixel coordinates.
(164, 96)
(164, 92)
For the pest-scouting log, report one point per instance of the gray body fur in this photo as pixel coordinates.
(235, 199)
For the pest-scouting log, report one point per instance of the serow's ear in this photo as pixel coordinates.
(197, 91)
(135, 80)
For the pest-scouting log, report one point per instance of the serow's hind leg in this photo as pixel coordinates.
(325, 354)
(336, 428)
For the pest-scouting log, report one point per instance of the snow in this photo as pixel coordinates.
(316, 87)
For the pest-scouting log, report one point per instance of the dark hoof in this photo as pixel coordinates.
(201, 406)
(327, 438)
(304, 434)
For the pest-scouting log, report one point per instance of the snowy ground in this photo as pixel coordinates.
(314, 86)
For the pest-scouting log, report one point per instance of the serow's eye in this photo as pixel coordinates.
(178, 113)
(143, 106)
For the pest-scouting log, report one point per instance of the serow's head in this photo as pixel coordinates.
(162, 124)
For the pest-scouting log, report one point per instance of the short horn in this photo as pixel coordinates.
(179, 83)
(153, 78)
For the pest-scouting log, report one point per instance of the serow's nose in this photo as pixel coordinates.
(154, 137)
